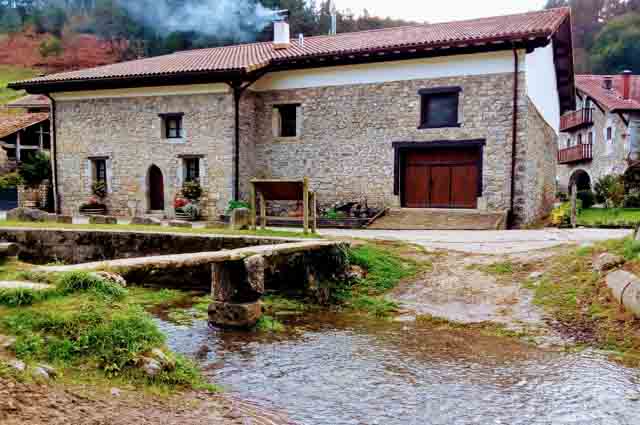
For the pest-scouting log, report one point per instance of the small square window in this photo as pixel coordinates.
(191, 169)
(172, 126)
(439, 107)
(288, 120)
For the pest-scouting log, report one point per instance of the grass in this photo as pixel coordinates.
(156, 229)
(385, 265)
(91, 330)
(9, 74)
(609, 217)
(581, 303)
(484, 328)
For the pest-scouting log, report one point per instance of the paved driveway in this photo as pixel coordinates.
(486, 242)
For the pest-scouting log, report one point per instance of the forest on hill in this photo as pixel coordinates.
(606, 34)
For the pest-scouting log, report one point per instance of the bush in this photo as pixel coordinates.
(234, 205)
(192, 190)
(562, 197)
(587, 197)
(99, 189)
(609, 190)
(11, 180)
(50, 47)
(82, 281)
(632, 199)
(561, 216)
(36, 169)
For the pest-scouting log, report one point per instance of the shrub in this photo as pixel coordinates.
(36, 169)
(234, 205)
(609, 189)
(192, 190)
(51, 47)
(17, 297)
(561, 216)
(11, 180)
(587, 197)
(562, 197)
(632, 199)
(83, 281)
(99, 189)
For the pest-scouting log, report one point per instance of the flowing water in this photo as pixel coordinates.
(335, 369)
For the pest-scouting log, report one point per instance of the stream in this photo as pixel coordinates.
(337, 369)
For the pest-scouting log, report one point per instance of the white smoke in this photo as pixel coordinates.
(238, 20)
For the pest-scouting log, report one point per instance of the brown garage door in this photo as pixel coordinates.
(441, 178)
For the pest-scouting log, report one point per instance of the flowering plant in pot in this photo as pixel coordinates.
(93, 206)
(186, 209)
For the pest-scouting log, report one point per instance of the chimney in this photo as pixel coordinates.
(626, 84)
(281, 38)
(333, 29)
(607, 83)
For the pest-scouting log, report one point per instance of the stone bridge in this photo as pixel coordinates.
(237, 277)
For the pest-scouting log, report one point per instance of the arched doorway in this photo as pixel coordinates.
(581, 179)
(156, 189)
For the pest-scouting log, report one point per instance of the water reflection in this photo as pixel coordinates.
(335, 369)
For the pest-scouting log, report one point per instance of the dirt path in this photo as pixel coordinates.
(475, 288)
(34, 404)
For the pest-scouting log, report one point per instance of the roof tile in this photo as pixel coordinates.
(593, 85)
(10, 123)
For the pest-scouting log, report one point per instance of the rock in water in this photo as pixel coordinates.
(605, 262)
(233, 315)
(111, 278)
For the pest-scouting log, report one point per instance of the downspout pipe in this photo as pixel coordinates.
(237, 94)
(54, 154)
(514, 137)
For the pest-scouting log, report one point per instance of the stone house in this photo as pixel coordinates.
(598, 137)
(457, 117)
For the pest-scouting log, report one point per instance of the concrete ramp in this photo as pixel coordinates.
(440, 219)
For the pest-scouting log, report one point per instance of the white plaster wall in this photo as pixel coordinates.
(414, 69)
(542, 85)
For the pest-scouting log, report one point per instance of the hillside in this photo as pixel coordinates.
(10, 73)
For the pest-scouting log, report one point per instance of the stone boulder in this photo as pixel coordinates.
(180, 223)
(8, 249)
(625, 287)
(102, 219)
(233, 315)
(606, 261)
(146, 221)
(114, 278)
(240, 219)
(150, 366)
(26, 214)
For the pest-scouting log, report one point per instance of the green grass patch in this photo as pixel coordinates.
(10, 74)
(500, 268)
(268, 323)
(157, 229)
(609, 217)
(581, 303)
(484, 328)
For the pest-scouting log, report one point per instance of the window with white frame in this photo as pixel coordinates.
(191, 169)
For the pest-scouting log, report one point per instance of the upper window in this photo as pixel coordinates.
(609, 133)
(439, 107)
(579, 139)
(288, 120)
(590, 137)
(192, 169)
(172, 126)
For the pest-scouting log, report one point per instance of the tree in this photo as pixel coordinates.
(617, 46)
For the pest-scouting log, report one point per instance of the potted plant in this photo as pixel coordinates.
(186, 209)
(93, 206)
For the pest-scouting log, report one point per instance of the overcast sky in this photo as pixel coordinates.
(439, 10)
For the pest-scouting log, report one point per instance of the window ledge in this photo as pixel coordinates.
(176, 141)
(427, 126)
(286, 139)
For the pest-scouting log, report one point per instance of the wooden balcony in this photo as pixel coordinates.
(575, 154)
(576, 119)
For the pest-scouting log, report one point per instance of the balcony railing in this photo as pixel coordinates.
(576, 119)
(575, 154)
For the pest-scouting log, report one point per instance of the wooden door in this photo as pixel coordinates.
(441, 178)
(156, 189)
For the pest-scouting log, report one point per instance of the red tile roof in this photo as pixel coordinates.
(593, 86)
(11, 123)
(31, 101)
(249, 57)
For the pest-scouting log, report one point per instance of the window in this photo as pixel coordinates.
(191, 169)
(287, 120)
(590, 137)
(172, 125)
(99, 170)
(579, 139)
(439, 107)
(609, 134)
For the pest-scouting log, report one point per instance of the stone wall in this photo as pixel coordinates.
(347, 133)
(128, 131)
(606, 159)
(535, 169)
(80, 246)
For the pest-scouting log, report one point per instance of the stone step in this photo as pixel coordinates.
(440, 219)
